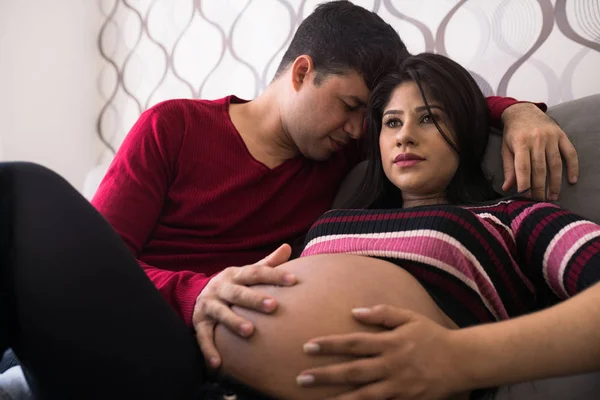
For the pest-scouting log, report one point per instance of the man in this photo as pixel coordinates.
(201, 190)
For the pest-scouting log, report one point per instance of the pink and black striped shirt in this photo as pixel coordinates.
(479, 264)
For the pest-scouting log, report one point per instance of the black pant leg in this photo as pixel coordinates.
(79, 312)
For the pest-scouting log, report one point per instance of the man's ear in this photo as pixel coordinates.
(302, 71)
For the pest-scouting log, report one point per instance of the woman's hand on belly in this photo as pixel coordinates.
(413, 360)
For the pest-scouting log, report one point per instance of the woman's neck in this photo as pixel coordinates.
(409, 201)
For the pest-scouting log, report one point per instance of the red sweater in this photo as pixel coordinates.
(189, 200)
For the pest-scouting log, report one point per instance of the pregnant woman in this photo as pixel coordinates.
(435, 267)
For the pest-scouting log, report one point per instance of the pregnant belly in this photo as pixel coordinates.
(328, 287)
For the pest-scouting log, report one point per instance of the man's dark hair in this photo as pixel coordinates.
(450, 85)
(340, 36)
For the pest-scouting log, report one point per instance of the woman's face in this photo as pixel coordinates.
(415, 156)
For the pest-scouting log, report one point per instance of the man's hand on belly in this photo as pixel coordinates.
(230, 287)
(414, 359)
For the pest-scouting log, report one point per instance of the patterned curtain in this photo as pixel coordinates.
(159, 49)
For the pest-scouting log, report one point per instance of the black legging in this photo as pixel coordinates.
(81, 315)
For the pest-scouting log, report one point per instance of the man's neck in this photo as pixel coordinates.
(259, 124)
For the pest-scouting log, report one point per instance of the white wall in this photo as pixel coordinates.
(49, 65)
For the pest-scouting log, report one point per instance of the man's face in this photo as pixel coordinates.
(323, 118)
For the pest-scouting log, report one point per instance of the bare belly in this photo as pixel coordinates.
(328, 287)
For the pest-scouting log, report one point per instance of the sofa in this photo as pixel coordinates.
(580, 119)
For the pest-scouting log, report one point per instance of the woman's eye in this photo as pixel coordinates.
(393, 123)
(427, 119)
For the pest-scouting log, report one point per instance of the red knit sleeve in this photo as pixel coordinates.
(498, 104)
(133, 190)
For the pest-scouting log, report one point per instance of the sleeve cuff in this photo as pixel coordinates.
(497, 105)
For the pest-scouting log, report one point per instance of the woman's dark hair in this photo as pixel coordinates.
(456, 91)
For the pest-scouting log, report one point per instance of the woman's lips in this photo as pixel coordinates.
(407, 163)
(407, 159)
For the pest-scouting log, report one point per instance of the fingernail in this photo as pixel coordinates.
(305, 380)
(289, 279)
(311, 348)
(553, 197)
(574, 179)
(361, 310)
(268, 304)
(246, 328)
(214, 362)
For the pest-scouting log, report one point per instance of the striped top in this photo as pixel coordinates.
(479, 264)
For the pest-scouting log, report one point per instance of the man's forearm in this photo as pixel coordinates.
(515, 109)
(561, 340)
(179, 288)
(498, 106)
